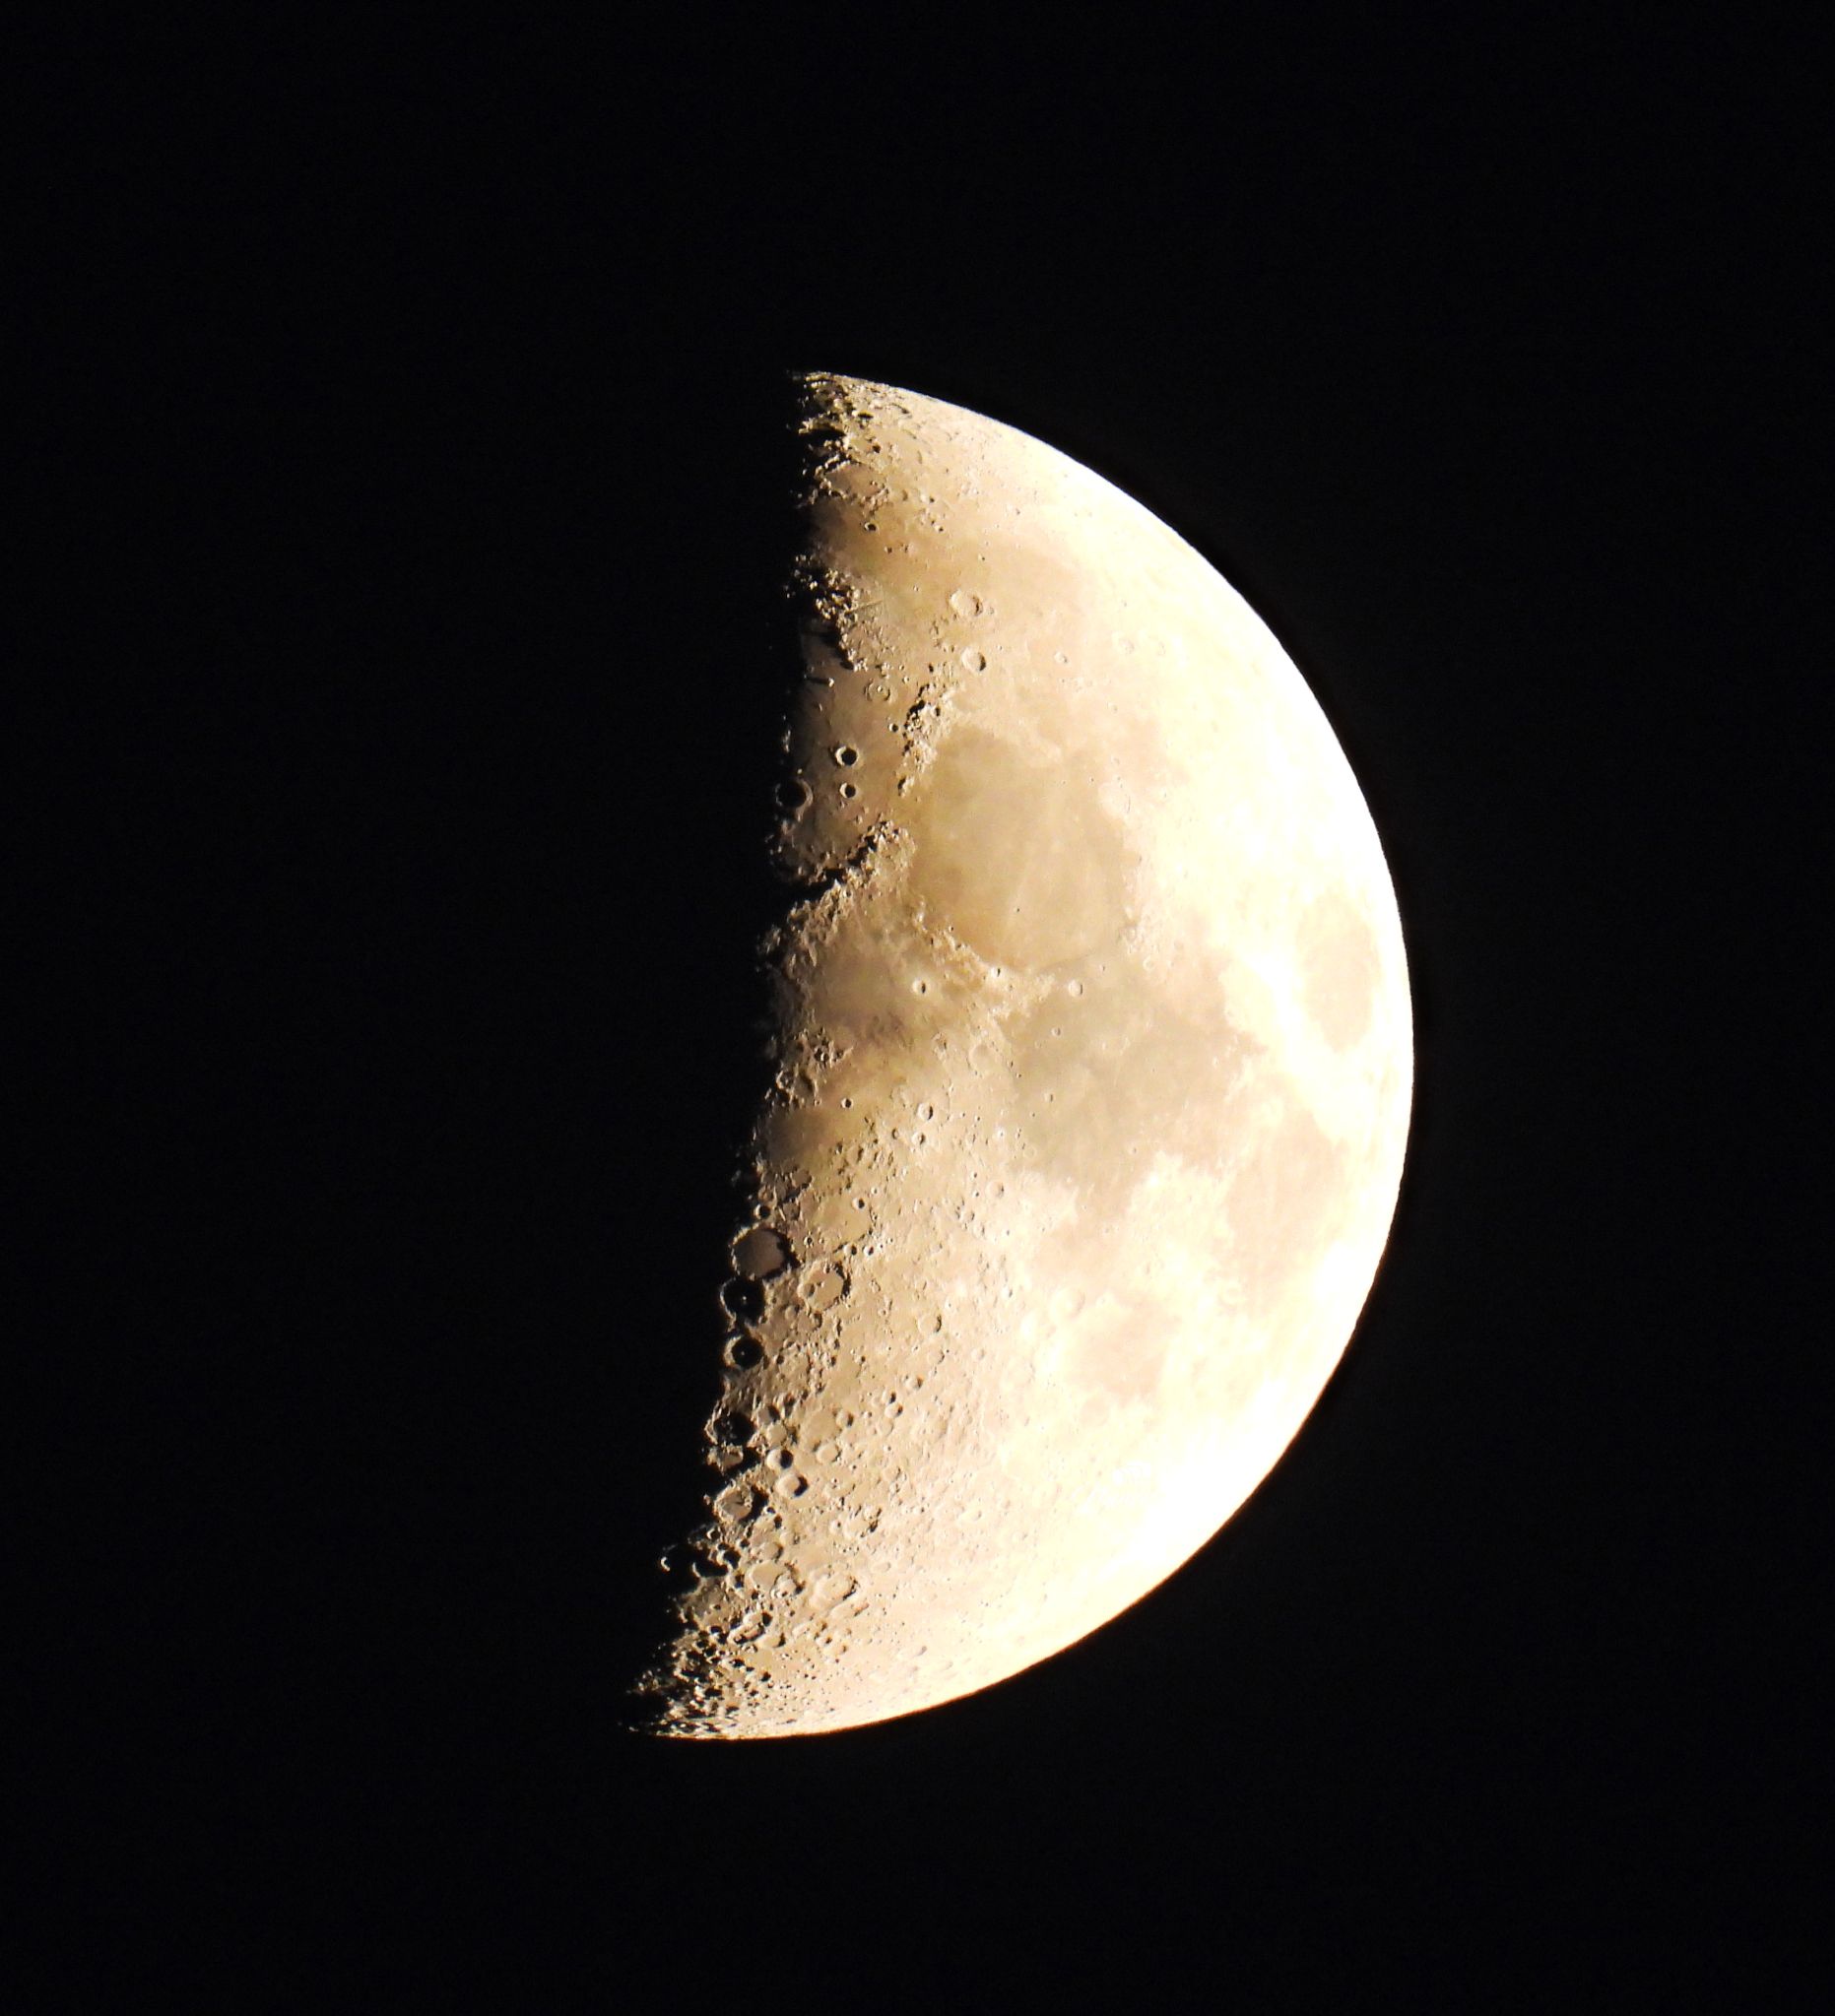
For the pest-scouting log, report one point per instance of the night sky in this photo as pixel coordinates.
(401, 423)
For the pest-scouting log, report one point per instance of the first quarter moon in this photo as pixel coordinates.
(1092, 1066)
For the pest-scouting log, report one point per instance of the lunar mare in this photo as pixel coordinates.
(1094, 1065)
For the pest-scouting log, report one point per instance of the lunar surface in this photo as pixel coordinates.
(1093, 1073)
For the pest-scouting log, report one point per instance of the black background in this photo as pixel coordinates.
(402, 423)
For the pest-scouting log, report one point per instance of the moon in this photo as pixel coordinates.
(1093, 1064)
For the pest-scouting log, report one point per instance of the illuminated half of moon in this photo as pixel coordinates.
(1094, 1066)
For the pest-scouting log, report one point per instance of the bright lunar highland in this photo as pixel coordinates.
(1093, 1072)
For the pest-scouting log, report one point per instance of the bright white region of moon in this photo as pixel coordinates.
(1093, 1073)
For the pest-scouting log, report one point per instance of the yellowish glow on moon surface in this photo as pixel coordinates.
(1094, 1065)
